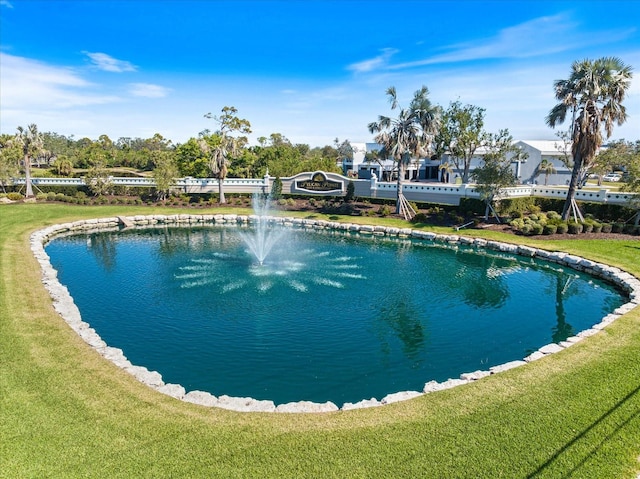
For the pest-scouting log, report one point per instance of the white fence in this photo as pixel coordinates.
(439, 193)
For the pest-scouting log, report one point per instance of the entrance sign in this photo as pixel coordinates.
(320, 182)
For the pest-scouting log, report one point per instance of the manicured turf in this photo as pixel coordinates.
(67, 412)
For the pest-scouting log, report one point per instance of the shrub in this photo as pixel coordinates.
(537, 229)
(554, 215)
(587, 226)
(517, 223)
(575, 228)
(276, 188)
(550, 229)
(526, 229)
(351, 188)
(13, 196)
(597, 227)
(41, 197)
(606, 227)
(617, 228)
(563, 228)
(420, 218)
(385, 210)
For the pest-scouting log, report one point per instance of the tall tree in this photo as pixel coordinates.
(165, 172)
(408, 135)
(496, 173)
(593, 95)
(10, 155)
(30, 140)
(461, 134)
(227, 144)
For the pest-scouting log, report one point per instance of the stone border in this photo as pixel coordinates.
(63, 302)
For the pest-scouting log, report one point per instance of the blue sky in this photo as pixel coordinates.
(310, 70)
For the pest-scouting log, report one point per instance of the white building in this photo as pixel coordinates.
(527, 171)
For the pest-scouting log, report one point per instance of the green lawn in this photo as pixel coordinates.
(67, 412)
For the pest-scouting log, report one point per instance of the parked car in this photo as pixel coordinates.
(611, 177)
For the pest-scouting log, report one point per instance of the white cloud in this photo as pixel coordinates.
(534, 38)
(6, 3)
(28, 83)
(107, 63)
(148, 90)
(375, 63)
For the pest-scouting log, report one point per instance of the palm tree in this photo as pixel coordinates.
(547, 168)
(593, 94)
(407, 135)
(31, 142)
(226, 145)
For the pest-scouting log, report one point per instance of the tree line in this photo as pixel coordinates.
(592, 97)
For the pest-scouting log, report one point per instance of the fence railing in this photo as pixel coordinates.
(441, 193)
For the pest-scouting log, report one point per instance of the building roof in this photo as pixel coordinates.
(547, 147)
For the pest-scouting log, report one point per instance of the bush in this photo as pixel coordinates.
(575, 228)
(554, 215)
(420, 218)
(587, 226)
(13, 196)
(607, 227)
(385, 210)
(597, 227)
(276, 188)
(563, 228)
(617, 228)
(351, 188)
(537, 229)
(550, 229)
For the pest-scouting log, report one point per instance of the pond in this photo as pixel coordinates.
(328, 316)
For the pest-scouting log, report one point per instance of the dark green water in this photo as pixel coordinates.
(329, 317)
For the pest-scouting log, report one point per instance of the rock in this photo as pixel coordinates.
(243, 404)
(142, 374)
(506, 366)
(365, 403)
(173, 390)
(550, 348)
(400, 396)
(433, 386)
(201, 397)
(534, 356)
(306, 406)
(474, 376)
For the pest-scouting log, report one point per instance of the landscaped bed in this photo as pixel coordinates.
(67, 412)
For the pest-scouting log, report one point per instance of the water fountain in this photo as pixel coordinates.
(262, 239)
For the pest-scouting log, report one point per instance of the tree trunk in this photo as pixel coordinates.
(399, 187)
(401, 164)
(573, 186)
(27, 177)
(221, 199)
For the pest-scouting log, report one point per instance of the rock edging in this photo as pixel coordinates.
(63, 303)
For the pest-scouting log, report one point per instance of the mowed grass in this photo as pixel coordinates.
(67, 412)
